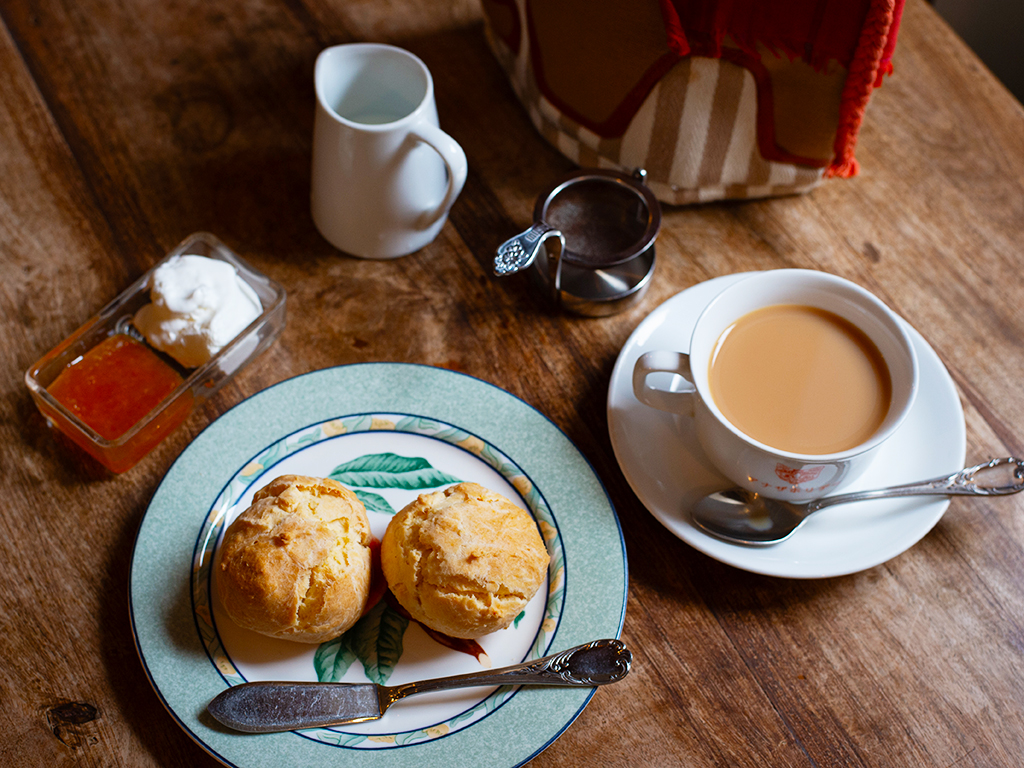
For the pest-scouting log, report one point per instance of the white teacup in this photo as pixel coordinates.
(384, 174)
(758, 467)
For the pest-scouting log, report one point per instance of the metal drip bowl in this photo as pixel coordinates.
(591, 245)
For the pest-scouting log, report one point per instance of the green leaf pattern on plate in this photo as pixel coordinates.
(388, 470)
(374, 502)
(376, 640)
(379, 653)
(332, 660)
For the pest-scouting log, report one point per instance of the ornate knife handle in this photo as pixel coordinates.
(596, 663)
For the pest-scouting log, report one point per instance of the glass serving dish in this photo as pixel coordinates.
(123, 452)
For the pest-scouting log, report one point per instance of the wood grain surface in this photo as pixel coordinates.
(126, 126)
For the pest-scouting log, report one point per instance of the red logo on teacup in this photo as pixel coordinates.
(796, 475)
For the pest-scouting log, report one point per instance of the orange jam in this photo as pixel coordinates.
(111, 388)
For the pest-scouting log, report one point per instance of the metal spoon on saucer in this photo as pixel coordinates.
(739, 516)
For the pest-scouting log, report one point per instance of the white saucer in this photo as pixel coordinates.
(668, 471)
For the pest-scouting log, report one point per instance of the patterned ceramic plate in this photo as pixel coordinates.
(389, 432)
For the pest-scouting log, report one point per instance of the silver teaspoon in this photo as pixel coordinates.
(281, 706)
(739, 516)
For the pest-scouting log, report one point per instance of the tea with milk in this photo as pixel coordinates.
(800, 379)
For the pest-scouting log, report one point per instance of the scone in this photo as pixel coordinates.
(296, 564)
(464, 561)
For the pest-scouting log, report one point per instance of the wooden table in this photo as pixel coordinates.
(124, 127)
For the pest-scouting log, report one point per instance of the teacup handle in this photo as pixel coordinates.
(454, 159)
(661, 361)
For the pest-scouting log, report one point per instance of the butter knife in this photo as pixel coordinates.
(271, 707)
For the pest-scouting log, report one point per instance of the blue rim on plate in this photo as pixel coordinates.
(551, 477)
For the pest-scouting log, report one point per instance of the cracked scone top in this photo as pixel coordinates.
(464, 561)
(296, 564)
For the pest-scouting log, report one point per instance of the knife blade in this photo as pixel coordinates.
(271, 707)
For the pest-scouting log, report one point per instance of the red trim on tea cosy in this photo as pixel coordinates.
(865, 70)
(674, 33)
(818, 31)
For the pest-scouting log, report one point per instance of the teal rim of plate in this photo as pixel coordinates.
(173, 655)
(261, 464)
